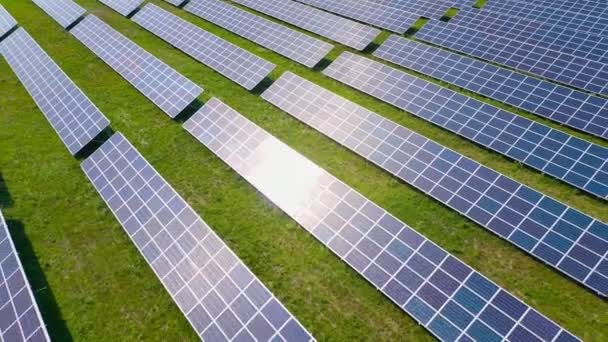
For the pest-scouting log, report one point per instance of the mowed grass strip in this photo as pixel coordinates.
(95, 285)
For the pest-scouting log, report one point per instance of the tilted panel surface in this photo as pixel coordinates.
(216, 292)
(443, 294)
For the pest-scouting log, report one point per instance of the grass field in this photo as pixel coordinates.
(92, 284)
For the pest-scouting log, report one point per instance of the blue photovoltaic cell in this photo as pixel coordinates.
(7, 22)
(20, 318)
(536, 33)
(563, 156)
(242, 67)
(561, 67)
(368, 12)
(292, 44)
(424, 8)
(221, 298)
(331, 26)
(564, 105)
(420, 277)
(73, 116)
(160, 83)
(65, 12)
(594, 24)
(124, 7)
(517, 213)
(597, 8)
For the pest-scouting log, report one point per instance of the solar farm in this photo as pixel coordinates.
(304, 170)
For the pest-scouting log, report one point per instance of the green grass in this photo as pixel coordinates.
(91, 282)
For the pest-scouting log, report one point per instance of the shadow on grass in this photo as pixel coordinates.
(95, 143)
(371, 48)
(5, 197)
(262, 86)
(58, 330)
(192, 108)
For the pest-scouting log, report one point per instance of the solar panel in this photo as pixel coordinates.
(64, 12)
(547, 14)
(20, 319)
(368, 12)
(562, 237)
(242, 67)
(73, 116)
(160, 83)
(292, 44)
(424, 8)
(563, 156)
(341, 30)
(564, 68)
(536, 33)
(597, 8)
(558, 103)
(7, 22)
(439, 291)
(124, 7)
(221, 298)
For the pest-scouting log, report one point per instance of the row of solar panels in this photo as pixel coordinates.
(563, 156)
(220, 296)
(569, 244)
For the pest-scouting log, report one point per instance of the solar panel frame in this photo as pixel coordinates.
(124, 7)
(365, 11)
(73, 116)
(580, 22)
(462, 184)
(537, 33)
(21, 318)
(297, 46)
(64, 12)
(233, 62)
(221, 298)
(563, 68)
(325, 24)
(570, 159)
(7, 22)
(160, 83)
(558, 103)
(416, 274)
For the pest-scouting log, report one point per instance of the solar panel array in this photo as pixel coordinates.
(597, 8)
(20, 319)
(73, 116)
(65, 12)
(563, 156)
(443, 294)
(576, 109)
(218, 294)
(341, 30)
(593, 24)
(564, 68)
(160, 83)
(536, 33)
(566, 239)
(368, 12)
(424, 8)
(242, 67)
(292, 44)
(124, 7)
(7, 22)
